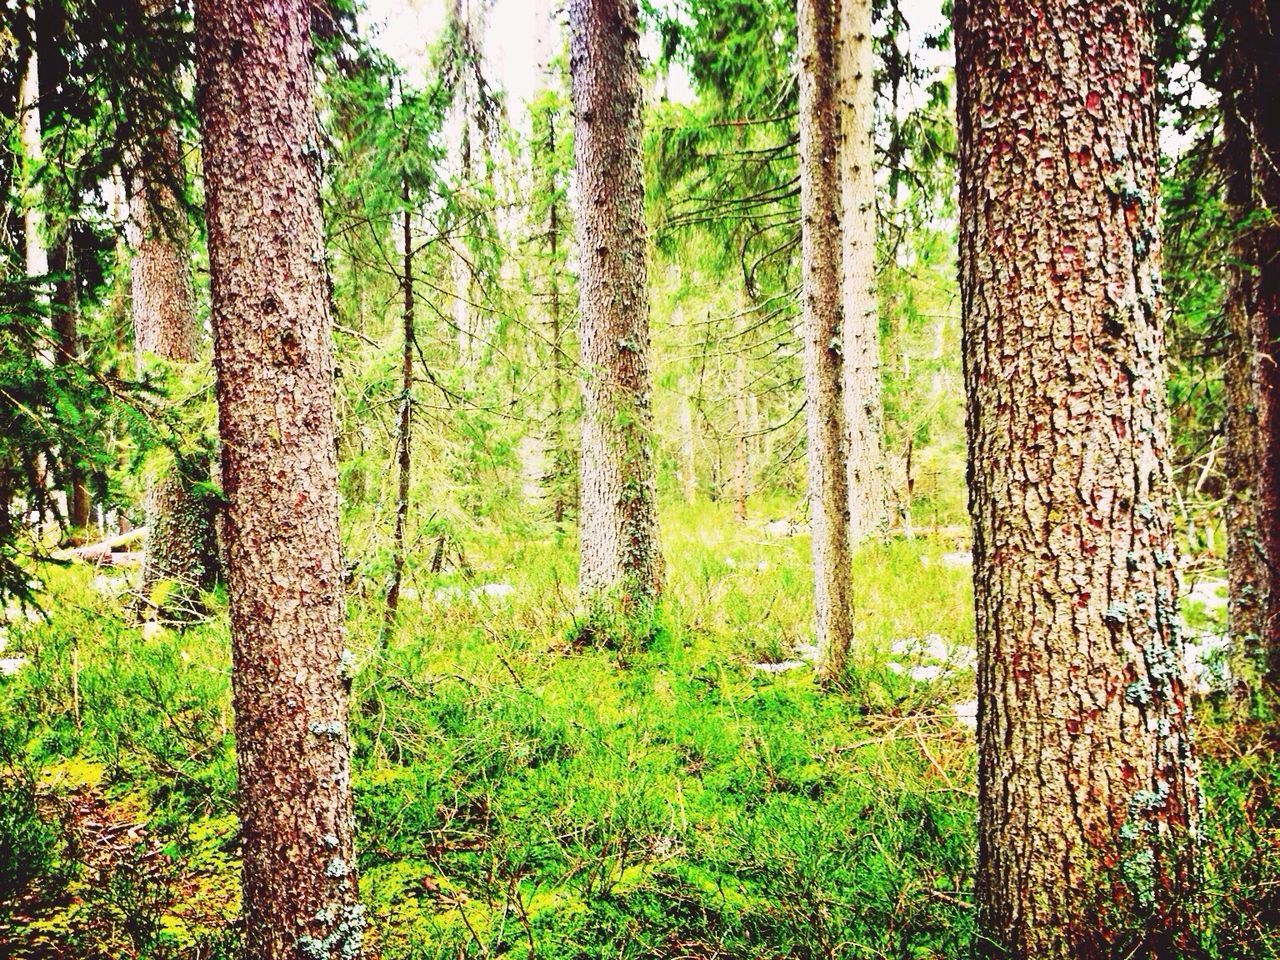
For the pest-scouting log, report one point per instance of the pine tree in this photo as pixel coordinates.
(620, 553)
(1252, 121)
(820, 206)
(868, 490)
(1087, 796)
(180, 548)
(273, 354)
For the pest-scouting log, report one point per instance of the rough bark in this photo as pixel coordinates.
(1246, 566)
(868, 482)
(181, 553)
(274, 363)
(1258, 46)
(820, 211)
(620, 554)
(1087, 796)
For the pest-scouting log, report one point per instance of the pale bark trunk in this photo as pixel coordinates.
(620, 554)
(742, 462)
(1087, 796)
(818, 22)
(37, 256)
(181, 554)
(868, 481)
(275, 369)
(688, 463)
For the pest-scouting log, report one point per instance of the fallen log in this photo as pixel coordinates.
(95, 552)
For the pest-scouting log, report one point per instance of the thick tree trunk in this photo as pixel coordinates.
(820, 205)
(868, 479)
(1246, 563)
(181, 553)
(620, 553)
(274, 362)
(1258, 294)
(1087, 796)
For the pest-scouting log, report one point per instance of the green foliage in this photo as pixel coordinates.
(515, 793)
(30, 844)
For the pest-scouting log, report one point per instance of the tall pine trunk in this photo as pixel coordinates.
(180, 546)
(404, 437)
(868, 480)
(1087, 797)
(620, 554)
(274, 362)
(1257, 45)
(1246, 562)
(820, 206)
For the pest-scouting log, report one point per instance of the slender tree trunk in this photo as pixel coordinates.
(180, 550)
(688, 461)
(820, 189)
(620, 553)
(561, 467)
(66, 333)
(274, 362)
(868, 479)
(404, 437)
(1087, 796)
(462, 147)
(37, 256)
(742, 462)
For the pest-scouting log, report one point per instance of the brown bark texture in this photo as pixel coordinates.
(823, 321)
(274, 363)
(1087, 795)
(180, 551)
(1254, 38)
(620, 553)
(1246, 562)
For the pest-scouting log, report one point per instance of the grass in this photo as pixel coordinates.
(518, 796)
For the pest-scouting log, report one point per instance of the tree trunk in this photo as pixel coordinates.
(462, 138)
(404, 437)
(66, 333)
(620, 554)
(818, 22)
(868, 481)
(180, 550)
(1258, 46)
(275, 370)
(688, 460)
(1087, 796)
(1246, 562)
(37, 257)
(741, 457)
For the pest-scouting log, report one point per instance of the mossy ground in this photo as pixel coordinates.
(520, 795)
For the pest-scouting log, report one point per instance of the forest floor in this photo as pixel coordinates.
(520, 796)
